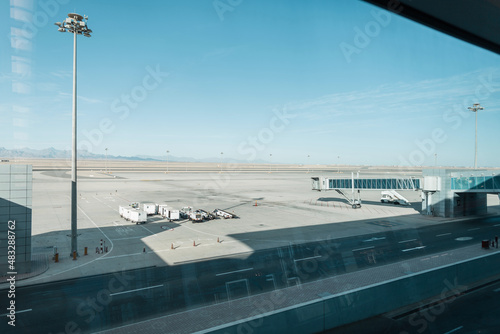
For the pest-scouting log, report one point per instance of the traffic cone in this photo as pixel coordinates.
(194, 243)
(218, 240)
(172, 246)
(144, 250)
(255, 203)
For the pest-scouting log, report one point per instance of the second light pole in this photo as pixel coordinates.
(221, 153)
(475, 108)
(167, 159)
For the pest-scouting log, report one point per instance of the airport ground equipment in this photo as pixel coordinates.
(196, 216)
(355, 203)
(163, 210)
(150, 208)
(166, 211)
(185, 212)
(392, 196)
(342, 186)
(138, 216)
(121, 210)
(124, 210)
(207, 215)
(173, 214)
(224, 214)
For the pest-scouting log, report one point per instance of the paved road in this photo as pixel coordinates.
(105, 301)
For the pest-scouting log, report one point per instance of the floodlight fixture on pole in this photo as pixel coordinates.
(475, 108)
(77, 25)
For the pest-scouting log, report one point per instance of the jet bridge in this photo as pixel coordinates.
(323, 183)
(342, 185)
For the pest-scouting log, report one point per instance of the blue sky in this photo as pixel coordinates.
(340, 81)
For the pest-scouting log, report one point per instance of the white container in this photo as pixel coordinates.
(150, 208)
(121, 210)
(126, 212)
(173, 214)
(138, 216)
(163, 210)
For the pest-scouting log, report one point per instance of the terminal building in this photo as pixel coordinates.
(15, 211)
(458, 193)
(445, 192)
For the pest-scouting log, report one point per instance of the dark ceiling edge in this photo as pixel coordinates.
(436, 24)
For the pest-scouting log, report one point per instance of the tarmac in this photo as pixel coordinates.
(245, 313)
(280, 205)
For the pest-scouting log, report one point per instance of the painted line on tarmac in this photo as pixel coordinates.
(114, 257)
(400, 242)
(154, 234)
(497, 225)
(307, 258)
(142, 236)
(27, 310)
(473, 229)
(454, 330)
(98, 229)
(358, 249)
(129, 291)
(87, 263)
(109, 206)
(232, 272)
(412, 249)
(442, 235)
(374, 239)
(496, 290)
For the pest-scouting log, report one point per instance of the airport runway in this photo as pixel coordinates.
(105, 301)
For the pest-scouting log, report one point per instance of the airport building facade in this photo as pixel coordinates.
(458, 193)
(15, 216)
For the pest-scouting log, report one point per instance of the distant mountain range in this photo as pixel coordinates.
(53, 153)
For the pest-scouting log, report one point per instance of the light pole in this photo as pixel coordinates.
(106, 161)
(308, 156)
(75, 24)
(435, 159)
(475, 108)
(221, 153)
(167, 159)
(270, 162)
(338, 162)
